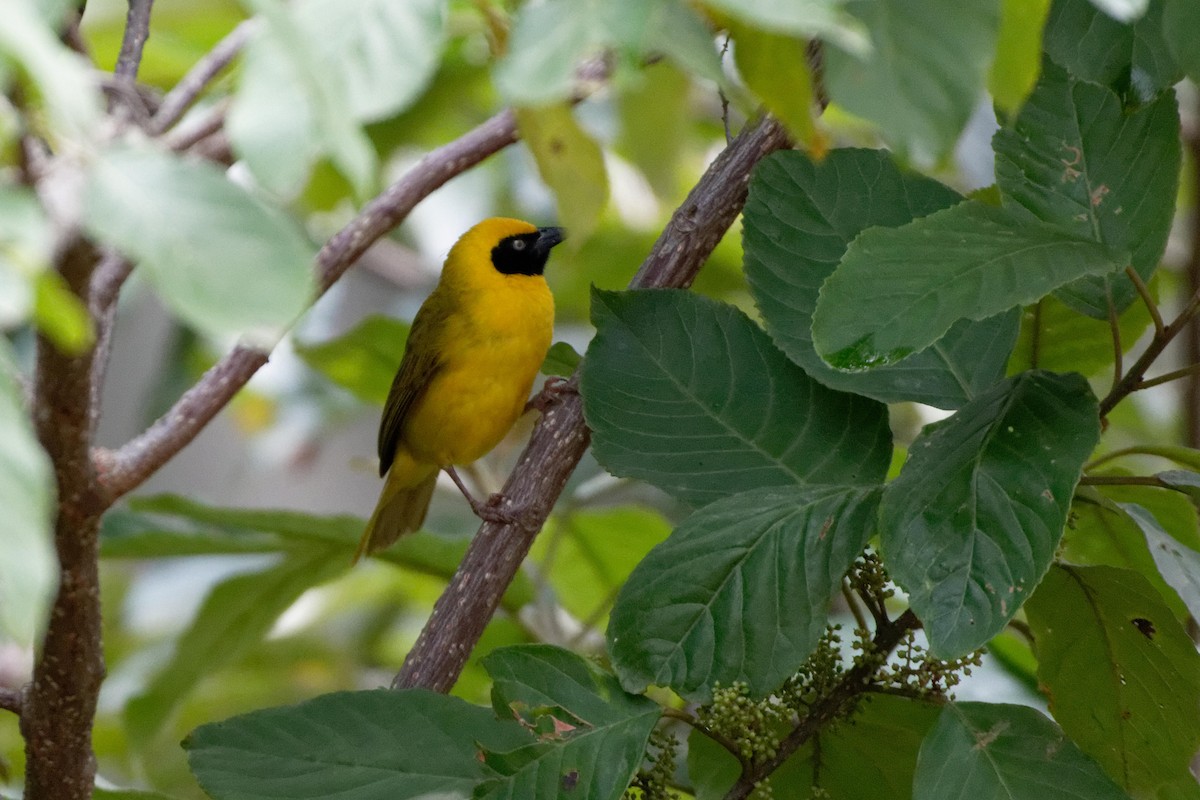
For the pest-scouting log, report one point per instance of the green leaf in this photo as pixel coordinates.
(388, 744)
(100, 793)
(868, 757)
(774, 68)
(971, 524)
(25, 243)
(691, 396)
(653, 113)
(581, 564)
(381, 53)
(1057, 338)
(1133, 59)
(898, 290)
(561, 360)
(740, 591)
(1077, 159)
(1178, 564)
(549, 39)
(271, 121)
(571, 164)
(1181, 19)
(824, 19)
(924, 76)
(224, 262)
(1102, 532)
(593, 734)
(1018, 53)
(235, 616)
(293, 62)
(61, 77)
(1121, 674)
(163, 526)
(995, 751)
(28, 565)
(364, 360)
(60, 314)
(798, 221)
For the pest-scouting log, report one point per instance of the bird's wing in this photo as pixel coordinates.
(420, 363)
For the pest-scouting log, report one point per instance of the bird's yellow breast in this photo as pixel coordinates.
(492, 343)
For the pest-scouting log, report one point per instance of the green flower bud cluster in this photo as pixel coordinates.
(914, 672)
(753, 725)
(653, 781)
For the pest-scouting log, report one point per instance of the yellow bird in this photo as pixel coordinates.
(473, 352)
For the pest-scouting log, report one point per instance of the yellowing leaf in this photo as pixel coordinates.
(773, 66)
(570, 163)
(1018, 53)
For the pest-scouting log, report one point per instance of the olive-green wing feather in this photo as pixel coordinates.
(420, 363)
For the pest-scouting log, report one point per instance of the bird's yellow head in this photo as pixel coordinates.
(507, 246)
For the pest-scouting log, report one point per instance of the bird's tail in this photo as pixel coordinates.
(401, 508)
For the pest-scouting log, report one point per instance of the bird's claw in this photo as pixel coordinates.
(552, 392)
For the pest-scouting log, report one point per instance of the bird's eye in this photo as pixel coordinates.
(518, 244)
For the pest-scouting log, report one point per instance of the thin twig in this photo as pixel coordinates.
(137, 31)
(1129, 383)
(208, 123)
(719, 738)
(1144, 291)
(1173, 375)
(859, 619)
(1035, 335)
(561, 436)
(1114, 327)
(180, 98)
(1123, 480)
(11, 700)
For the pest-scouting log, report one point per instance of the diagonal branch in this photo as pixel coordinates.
(561, 435)
(180, 98)
(124, 469)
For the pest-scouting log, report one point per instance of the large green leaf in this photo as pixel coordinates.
(1121, 674)
(898, 290)
(1181, 19)
(924, 74)
(376, 745)
(382, 53)
(224, 262)
(1131, 58)
(997, 751)
(740, 591)
(970, 525)
(28, 565)
(592, 734)
(235, 616)
(363, 360)
(550, 39)
(871, 756)
(1077, 159)
(799, 219)
(690, 395)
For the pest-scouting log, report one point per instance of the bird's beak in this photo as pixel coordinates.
(547, 238)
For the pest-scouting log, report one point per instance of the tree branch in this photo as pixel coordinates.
(561, 435)
(124, 469)
(177, 101)
(836, 704)
(137, 31)
(60, 702)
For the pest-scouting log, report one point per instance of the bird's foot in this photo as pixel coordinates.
(493, 510)
(552, 392)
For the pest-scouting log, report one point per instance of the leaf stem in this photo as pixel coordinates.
(1114, 327)
(1144, 292)
(1168, 377)
(859, 619)
(719, 738)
